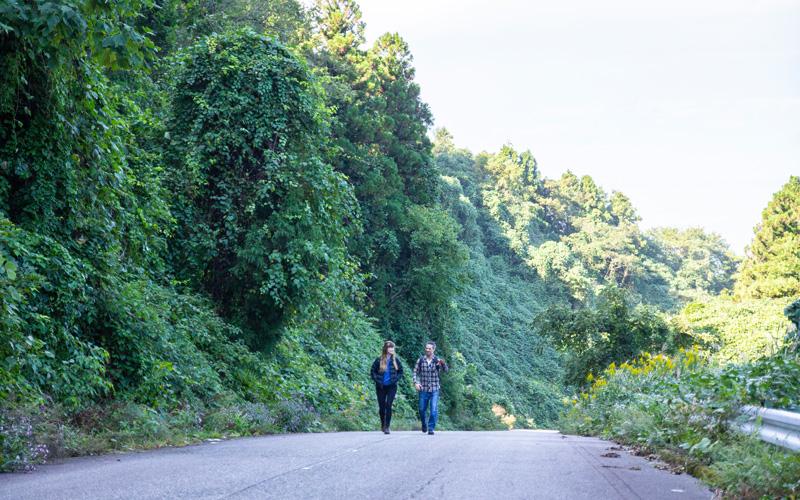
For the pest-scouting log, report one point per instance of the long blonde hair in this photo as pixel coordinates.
(385, 353)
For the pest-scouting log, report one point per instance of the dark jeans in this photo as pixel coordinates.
(386, 395)
(429, 398)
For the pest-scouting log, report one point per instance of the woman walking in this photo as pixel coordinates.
(386, 371)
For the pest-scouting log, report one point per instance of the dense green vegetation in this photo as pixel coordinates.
(211, 214)
(772, 268)
(611, 331)
(682, 406)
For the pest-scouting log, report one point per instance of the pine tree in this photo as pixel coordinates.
(772, 266)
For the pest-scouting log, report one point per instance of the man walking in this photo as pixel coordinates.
(426, 380)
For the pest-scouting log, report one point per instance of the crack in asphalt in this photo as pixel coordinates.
(427, 483)
(590, 459)
(433, 478)
(302, 467)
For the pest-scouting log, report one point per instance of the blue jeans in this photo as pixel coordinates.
(433, 398)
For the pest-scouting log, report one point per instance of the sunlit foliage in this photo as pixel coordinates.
(772, 266)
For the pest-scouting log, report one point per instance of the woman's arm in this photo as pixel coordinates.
(373, 373)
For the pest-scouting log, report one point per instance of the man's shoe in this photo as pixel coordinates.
(424, 428)
(386, 430)
(430, 433)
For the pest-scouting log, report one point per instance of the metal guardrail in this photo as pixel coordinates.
(779, 427)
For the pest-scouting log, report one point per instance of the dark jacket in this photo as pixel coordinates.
(377, 376)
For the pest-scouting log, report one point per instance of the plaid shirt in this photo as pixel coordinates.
(427, 374)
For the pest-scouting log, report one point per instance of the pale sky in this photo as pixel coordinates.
(689, 107)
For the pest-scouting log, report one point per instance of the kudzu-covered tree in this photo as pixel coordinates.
(75, 223)
(262, 219)
(65, 146)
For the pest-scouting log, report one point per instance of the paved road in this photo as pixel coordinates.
(353, 465)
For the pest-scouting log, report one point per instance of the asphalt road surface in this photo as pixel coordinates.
(353, 465)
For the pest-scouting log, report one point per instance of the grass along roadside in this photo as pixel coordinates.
(34, 434)
(680, 408)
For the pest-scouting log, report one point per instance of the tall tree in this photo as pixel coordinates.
(390, 83)
(701, 262)
(772, 265)
(379, 131)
